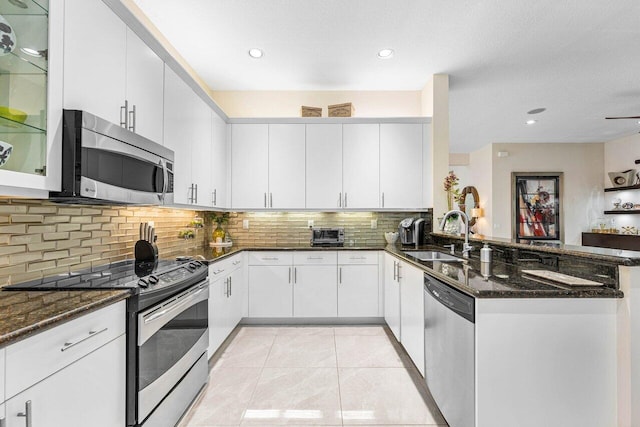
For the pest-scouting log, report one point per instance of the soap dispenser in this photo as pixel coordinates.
(485, 253)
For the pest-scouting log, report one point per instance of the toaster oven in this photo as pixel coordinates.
(327, 236)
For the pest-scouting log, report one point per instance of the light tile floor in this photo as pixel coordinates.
(322, 376)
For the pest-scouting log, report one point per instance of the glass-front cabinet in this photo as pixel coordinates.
(24, 57)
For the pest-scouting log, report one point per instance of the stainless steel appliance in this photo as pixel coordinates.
(449, 342)
(105, 163)
(167, 332)
(411, 231)
(327, 236)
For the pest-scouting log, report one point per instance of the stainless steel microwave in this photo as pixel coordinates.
(327, 236)
(103, 163)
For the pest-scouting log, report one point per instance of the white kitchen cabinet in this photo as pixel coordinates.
(219, 162)
(109, 71)
(270, 291)
(315, 292)
(201, 146)
(358, 294)
(70, 375)
(188, 132)
(227, 299)
(89, 392)
(401, 165)
(411, 281)
(324, 166)
(249, 166)
(361, 165)
(286, 166)
(392, 294)
(144, 88)
(95, 46)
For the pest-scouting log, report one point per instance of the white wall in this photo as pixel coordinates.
(582, 167)
(288, 103)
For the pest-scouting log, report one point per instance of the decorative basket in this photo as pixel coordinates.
(310, 111)
(341, 110)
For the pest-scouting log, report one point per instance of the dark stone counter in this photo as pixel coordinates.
(24, 313)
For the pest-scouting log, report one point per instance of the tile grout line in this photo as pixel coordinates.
(335, 347)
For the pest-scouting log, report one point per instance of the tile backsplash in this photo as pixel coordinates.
(291, 228)
(40, 238)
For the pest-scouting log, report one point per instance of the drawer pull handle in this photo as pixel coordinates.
(26, 414)
(315, 257)
(68, 345)
(218, 271)
(236, 262)
(270, 258)
(358, 257)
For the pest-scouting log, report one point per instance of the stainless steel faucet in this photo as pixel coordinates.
(466, 248)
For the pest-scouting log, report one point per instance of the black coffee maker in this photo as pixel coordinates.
(411, 231)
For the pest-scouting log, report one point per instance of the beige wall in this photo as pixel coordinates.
(480, 176)
(288, 103)
(581, 164)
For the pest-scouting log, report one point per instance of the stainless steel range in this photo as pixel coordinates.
(167, 332)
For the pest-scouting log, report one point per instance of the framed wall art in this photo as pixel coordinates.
(536, 206)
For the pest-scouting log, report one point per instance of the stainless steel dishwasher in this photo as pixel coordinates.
(449, 341)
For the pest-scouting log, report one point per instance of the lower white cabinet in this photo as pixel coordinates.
(227, 299)
(358, 294)
(411, 281)
(315, 292)
(314, 284)
(70, 375)
(392, 294)
(89, 392)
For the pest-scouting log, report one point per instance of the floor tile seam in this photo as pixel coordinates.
(335, 345)
(253, 393)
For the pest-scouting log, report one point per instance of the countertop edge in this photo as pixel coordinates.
(50, 322)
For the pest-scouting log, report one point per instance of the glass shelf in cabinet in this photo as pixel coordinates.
(22, 64)
(24, 7)
(8, 126)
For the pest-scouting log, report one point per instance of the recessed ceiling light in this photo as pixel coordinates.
(33, 52)
(531, 122)
(385, 53)
(537, 110)
(256, 53)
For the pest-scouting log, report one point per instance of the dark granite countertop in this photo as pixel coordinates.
(616, 256)
(24, 313)
(506, 280)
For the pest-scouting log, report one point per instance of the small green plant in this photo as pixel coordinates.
(217, 217)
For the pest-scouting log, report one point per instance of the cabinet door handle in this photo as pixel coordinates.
(270, 200)
(26, 414)
(68, 345)
(132, 119)
(190, 194)
(289, 274)
(340, 200)
(215, 197)
(345, 199)
(196, 193)
(3, 422)
(395, 264)
(399, 277)
(230, 285)
(265, 200)
(383, 199)
(295, 275)
(340, 275)
(124, 114)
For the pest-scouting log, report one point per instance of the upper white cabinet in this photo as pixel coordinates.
(219, 162)
(401, 166)
(188, 132)
(324, 166)
(249, 166)
(109, 71)
(144, 93)
(286, 166)
(360, 165)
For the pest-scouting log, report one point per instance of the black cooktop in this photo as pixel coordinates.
(139, 277)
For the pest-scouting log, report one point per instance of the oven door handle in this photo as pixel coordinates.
(152, 321)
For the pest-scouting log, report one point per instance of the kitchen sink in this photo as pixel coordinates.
(433, 256)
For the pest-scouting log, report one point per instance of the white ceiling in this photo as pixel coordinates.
(578, 58)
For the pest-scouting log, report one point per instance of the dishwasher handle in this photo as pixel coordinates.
(456, 301)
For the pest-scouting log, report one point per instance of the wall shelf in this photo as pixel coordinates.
(623, 212)
(614, 241)
(628, 187)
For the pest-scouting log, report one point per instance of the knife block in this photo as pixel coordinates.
(146, 251)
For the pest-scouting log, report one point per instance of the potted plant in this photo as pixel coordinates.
(219, 218)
